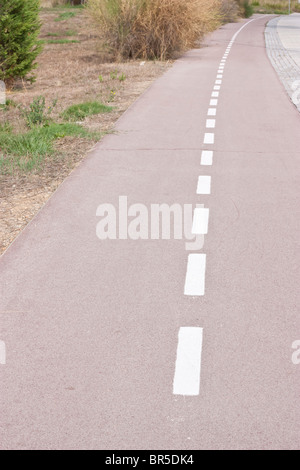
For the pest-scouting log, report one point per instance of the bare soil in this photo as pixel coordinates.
(70, 73)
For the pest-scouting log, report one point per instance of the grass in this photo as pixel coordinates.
(62, 41)
(9, 103)
(69, 32)
(26, 151)
(78, 112)
(278, 7)
(66, 15)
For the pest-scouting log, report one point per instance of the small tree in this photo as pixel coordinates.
(19, 45)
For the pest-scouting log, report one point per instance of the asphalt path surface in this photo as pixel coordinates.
(141, 344)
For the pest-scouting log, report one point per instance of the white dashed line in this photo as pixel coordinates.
(213, 102)
(220, 76)
(188, 362)
(217, 87)
(2, 353)
(200, 221)
(209, 138)
(207, 157)
(215, 94)
(195, 275)
(218, 82)
(210, 123)
(204, 185)
(211, 112)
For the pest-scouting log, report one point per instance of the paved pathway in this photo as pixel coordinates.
(283, 45)
(141, 344)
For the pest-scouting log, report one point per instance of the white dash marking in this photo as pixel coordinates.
(209, 138)
(195, 275)
(210, 123)
(207, 157)
(218, 82)
(213, 102)
(200, 221)
(188, 362)
(217, 87)
(212, 112)
(2, 353)
(215, 94)
(220, 75)
(204, 185)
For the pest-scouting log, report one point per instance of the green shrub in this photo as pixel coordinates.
(19, 45)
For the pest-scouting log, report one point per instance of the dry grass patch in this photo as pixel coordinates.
(71, 74)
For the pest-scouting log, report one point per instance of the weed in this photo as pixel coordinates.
(112, 95)
(37, 114)
(122, 77)
(114, 75)
(78, 112)
(9, 103)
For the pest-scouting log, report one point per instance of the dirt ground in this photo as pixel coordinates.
(70, 73)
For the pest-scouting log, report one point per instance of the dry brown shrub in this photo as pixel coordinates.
(230, 11)
(151, 29)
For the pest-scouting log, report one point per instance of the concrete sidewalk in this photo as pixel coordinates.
(283, 46)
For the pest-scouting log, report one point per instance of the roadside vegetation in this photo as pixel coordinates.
(152, 29)
(70, 72)
(277, 7)
(19, 46)
(159, 29)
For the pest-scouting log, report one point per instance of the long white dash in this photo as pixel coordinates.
(200, 221)
(204, 185)
(207, 157)
(195, 275)
(2, 353)
(210, 123)
(209, 138)
(188, 362)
